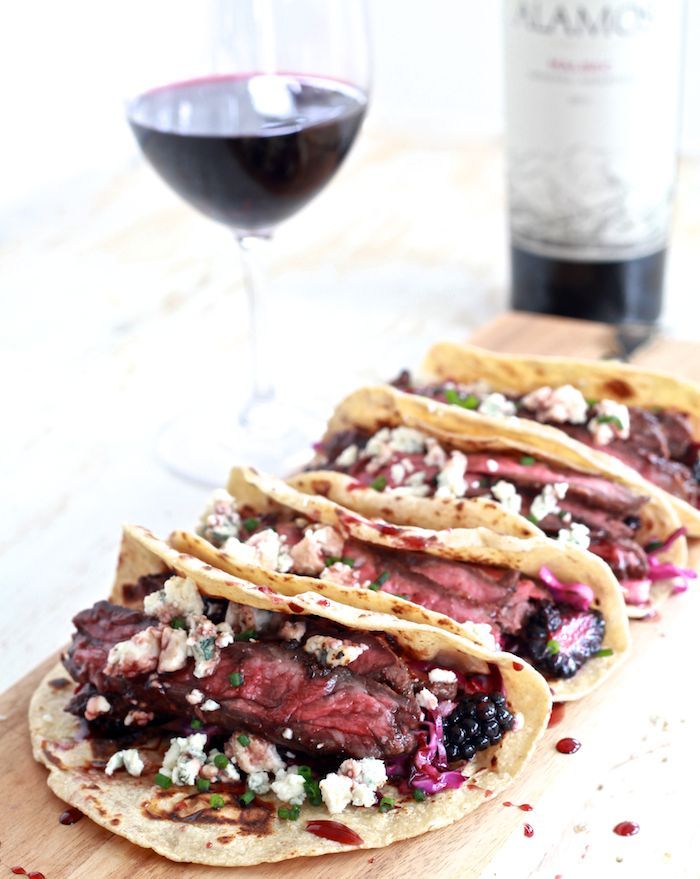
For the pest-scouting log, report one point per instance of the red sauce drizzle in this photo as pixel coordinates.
(528, 830)
(18, 871)
(557, 714)
(334, 831)
(525, 807)
(323, 602)
(70, 816)
(296, 608)
(518, 666)
(36, 875)
(568, 746)
(626, 828)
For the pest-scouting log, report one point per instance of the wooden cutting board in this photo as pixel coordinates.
(637, 762)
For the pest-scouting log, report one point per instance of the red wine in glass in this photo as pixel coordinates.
(248, 150)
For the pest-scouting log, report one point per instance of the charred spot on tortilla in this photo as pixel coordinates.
(619, 388)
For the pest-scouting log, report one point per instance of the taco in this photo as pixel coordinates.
(648, 420)
(402, 458)
(219, 722)
(557, 607)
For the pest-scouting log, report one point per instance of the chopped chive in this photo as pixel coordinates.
(247, 798)
(251, 523)
(243, 739)
(471, 401)
(246, 635)
(552, 647)
(386, 804)
(654, 545)
(610, 419)
(419, 794)
(590, 401)
(196, 723)
(342, 559)
(606, 651)
(305, 772)
(379, 483)
(163, 781)
(216, 801)
(178, 623)
(203, 784)
(235, 678)
(313, 792)
(380, 581)
(527, 460)
(403, 595)
(532, 518)
(290, 813)
(374, 586)
(221, 761)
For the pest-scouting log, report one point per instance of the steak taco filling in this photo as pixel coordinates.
(260, 703)
(590, 511)
(550, 623)
(657, 443)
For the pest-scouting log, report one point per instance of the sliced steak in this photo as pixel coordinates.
(679, 435)
(626, 558)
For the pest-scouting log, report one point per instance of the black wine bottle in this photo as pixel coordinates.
(593, 113)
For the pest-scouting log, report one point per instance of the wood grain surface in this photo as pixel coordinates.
(637, 761)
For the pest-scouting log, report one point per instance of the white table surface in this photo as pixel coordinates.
(122, 307)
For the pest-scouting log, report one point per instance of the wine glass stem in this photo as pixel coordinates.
(261, 386)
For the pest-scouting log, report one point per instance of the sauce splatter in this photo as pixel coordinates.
(528, 831)
(557, 714)
(525, 807)
(626, 828)
(518, 666)
(70, 816)
(568, 746)
(334, 831)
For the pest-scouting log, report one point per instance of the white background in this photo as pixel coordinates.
(64, 68)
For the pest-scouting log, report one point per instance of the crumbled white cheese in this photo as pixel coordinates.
(220, 521)
(507, 496)
(184, 758)
(309, 554)
(173, 653)
(441, 676)
(496, 406)
(258, 755)
(435, 455)
(332, 651)
(211, 771)
(339, 573)
(610, 421)
(397, 472)
(548, 500)
(450, 480)
(408, 440)
(136, 656)
(210, 705)
(194, 697)
(492, 466)
(387, 442)
(287, 733)
(129, 758)
(259, 782)
(347, 457)
(336, 792)
(426, 699)
(565, 404)
(577, 535)
(293, 630)
(289, 786)
(95, 706)
(201, 643)
(178, 597)
(224, 635)
(368, 771)
(270, 550)
(242, 618)
(137, 717)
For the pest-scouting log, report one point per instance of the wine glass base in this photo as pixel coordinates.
(274, 438)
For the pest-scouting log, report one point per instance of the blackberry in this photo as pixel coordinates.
(560, 639)
(477, 722)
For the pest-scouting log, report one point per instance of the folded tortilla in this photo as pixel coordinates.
(178, 822)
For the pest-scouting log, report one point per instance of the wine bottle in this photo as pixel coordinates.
(593, 93)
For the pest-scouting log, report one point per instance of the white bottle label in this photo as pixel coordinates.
(593, 102)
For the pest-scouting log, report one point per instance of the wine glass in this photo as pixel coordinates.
(250, 108)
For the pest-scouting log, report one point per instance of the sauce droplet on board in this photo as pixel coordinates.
(70, 816)
(568, 746)
(557, 714)
(528, 830)
(334, 831)
(525, 807)
(626, 828)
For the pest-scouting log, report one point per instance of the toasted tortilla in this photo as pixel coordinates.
(233, 836)
(477, 545)
(376, 407)
(517, 374)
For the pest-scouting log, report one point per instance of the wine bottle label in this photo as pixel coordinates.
(593, 103)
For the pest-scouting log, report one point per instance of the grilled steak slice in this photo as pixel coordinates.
(626, 558)
(679, 435)
(99, 628)
(462, 591)
(335, 710)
